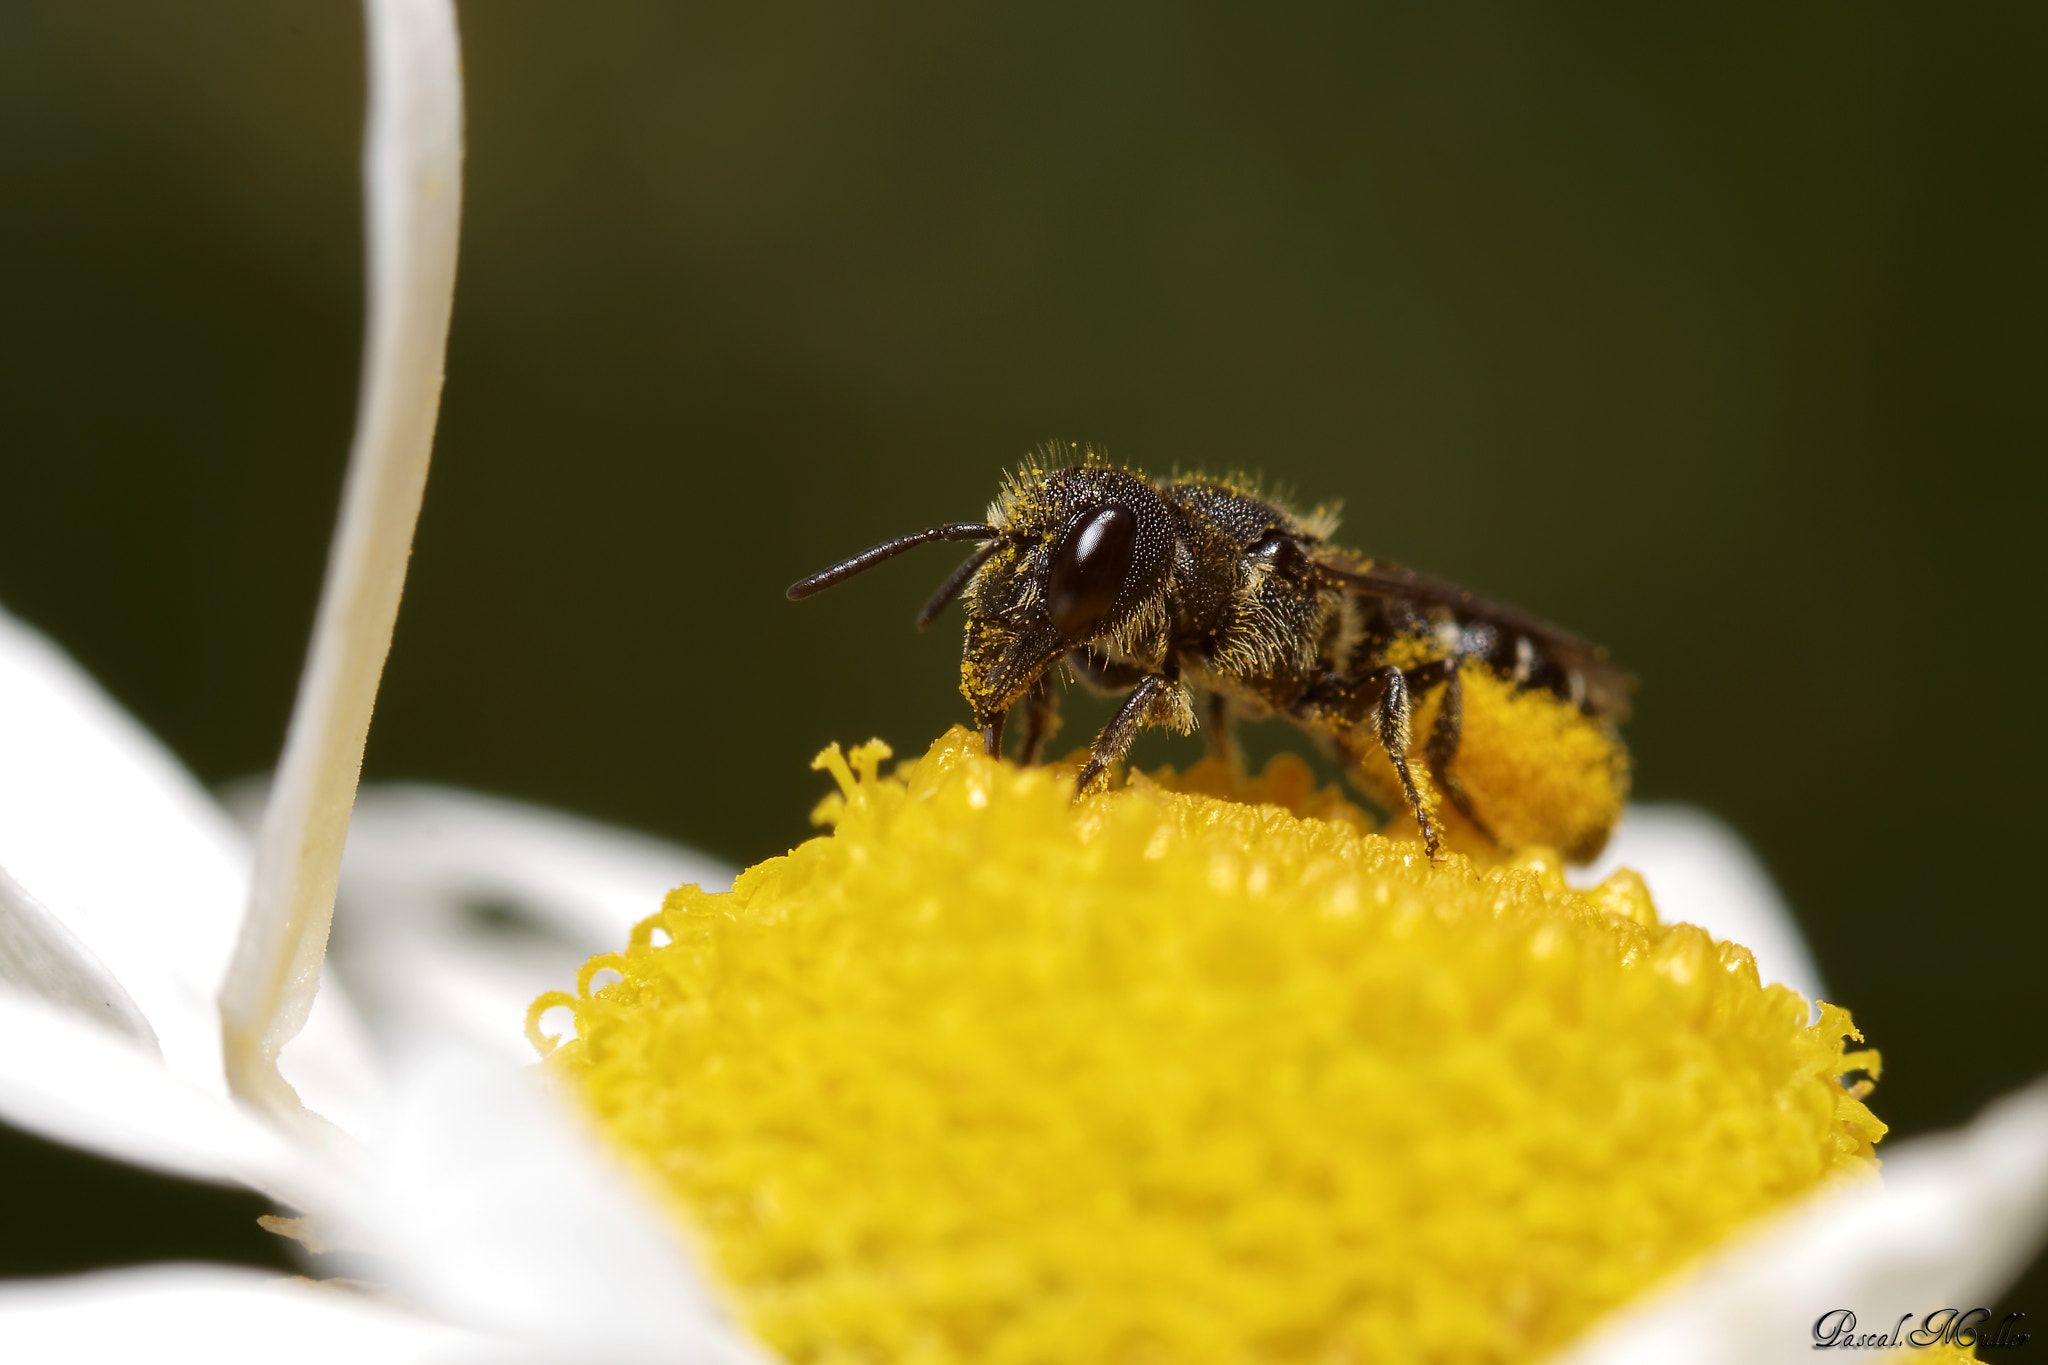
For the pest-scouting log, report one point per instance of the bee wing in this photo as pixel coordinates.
(1607, 687)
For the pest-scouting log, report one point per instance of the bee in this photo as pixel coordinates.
(1487, 725)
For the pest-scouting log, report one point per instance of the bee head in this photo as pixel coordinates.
(1068, 557)
(1082, 558)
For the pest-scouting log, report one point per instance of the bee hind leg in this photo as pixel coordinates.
(1443, 747)
(1391, 717)
(1156, 700)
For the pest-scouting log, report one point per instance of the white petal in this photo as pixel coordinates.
(40, 957)
(1956, 1217)
(1699, 871)
(497, 1212)
(588, 882)
(164, 1315)
(458, 909)
(128, 879)
(100, 824)
(333, 1063)
(77, 1082)
(412, 180)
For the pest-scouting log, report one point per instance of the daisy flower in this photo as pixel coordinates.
(1194, 1070)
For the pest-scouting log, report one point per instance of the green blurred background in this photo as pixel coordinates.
(1713, 332)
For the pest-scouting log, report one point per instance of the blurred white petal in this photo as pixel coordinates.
(412, 189)
(100, 824)
(78, 1082)
(1955, 1219)
(587, 882)
(1700, 871)
(167, 1315)
(459, 909)
(40, 957)
(333, 1063)
(489, 1207)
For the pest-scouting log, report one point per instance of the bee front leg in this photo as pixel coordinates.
(1041, 718)
(1391, 717)
(1156, 700)
(1099, 673)
(1221, 733)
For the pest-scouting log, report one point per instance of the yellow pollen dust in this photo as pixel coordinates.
(989, 1075)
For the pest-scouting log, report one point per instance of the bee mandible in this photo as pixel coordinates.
(1486, 724)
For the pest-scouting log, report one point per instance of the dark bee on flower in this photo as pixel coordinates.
(1483, 722)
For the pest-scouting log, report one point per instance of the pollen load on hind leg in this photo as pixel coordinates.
(1536, 769)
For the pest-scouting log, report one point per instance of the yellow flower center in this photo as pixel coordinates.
(988, 1075)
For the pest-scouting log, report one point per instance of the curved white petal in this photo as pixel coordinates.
(412, 182)
(77, 1082)
(100, 824)
(1700, 871)
(1954, 1219)
(486, 1204)
(40, 957)
(458, 909)
(167, 1315)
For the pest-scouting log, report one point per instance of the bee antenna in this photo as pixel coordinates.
(888, 549)
(955, 581)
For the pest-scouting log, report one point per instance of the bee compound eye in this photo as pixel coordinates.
(1090, 569)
